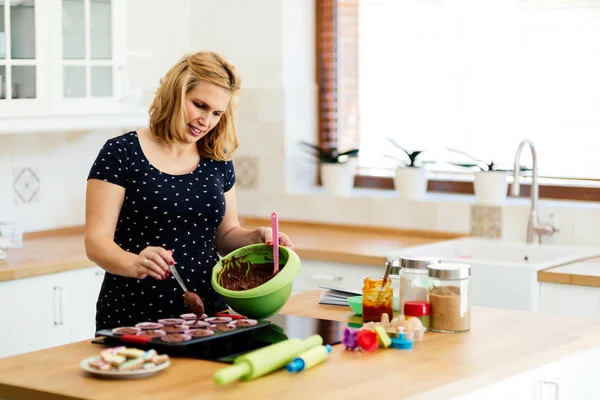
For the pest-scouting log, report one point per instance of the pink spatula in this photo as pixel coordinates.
(275, 229)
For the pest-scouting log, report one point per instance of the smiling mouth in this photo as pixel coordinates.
(195, 130)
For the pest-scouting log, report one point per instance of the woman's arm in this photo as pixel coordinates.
(231, 236)
(103, 205)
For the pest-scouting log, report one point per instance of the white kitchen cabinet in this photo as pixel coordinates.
(576, 300)
(33, 314)
(61, 58)
(571, 378)
(48, 310)
(575, 377)
(82, 299)
(525, 386)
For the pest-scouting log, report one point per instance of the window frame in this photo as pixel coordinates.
(328, 135)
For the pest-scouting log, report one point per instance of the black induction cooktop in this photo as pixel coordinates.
(225, 349)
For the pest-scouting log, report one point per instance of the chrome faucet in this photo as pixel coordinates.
(534, 227)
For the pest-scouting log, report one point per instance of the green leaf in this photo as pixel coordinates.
(481, 164)
(331, 155)
(464, 165)
(350, 153)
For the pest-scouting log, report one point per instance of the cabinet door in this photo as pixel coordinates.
(575, 377)
(88, 57)
(314, 274)
(23, 57)
(524, 386)
(33, 314)
(583, 301)
(84, 288)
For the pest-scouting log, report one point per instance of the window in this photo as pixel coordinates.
(477, 76)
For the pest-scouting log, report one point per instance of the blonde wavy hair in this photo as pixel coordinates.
(167, 111)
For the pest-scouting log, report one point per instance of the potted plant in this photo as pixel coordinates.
(410, 180)
(336, 169)
(491, 183)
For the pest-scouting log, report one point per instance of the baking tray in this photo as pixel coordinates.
(156, 341)
(223, 346)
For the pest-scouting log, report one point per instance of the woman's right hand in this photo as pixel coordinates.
(154, 262)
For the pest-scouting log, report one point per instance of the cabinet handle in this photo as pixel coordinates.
(61, 306)
(55, 296)
(59, 320)
(326, 278)
(556, 388)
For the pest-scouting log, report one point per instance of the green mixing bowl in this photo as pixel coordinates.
(356, 304)
(265, 300)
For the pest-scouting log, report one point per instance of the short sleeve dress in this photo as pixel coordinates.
(177, 212)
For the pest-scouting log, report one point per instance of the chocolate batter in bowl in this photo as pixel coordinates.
(246, 280)
(243, 275)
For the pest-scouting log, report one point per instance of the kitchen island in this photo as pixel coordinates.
(507, 354)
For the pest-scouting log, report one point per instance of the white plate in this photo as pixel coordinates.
(134, 374)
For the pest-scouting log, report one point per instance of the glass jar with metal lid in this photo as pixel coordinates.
(413, 280)
(450, 297)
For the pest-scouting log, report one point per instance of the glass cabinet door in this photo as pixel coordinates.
(87, 49)
(18, 58)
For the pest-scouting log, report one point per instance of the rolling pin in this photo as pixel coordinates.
(266, 360)
(309, 359)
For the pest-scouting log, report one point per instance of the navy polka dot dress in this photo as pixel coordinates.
(177, 212)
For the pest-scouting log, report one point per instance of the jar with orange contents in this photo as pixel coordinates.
(376, 302)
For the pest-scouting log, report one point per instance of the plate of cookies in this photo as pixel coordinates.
(125, 363)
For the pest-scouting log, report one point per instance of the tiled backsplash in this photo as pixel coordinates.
(246, 172)
(486, 221)
(26, 185)
(43, 177)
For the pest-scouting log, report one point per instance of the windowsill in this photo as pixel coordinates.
(467, 177)
(72, 123)
(440, 197)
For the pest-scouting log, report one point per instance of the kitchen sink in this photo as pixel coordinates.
(497, 252)
(503, 273)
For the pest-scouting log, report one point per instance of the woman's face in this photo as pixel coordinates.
(204, 105)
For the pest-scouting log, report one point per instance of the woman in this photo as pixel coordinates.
(166, 195)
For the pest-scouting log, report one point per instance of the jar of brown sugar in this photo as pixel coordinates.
(450, 297)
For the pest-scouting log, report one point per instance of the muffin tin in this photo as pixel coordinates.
(154, 333)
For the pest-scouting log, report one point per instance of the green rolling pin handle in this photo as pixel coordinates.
(309, 358)
(232, 373)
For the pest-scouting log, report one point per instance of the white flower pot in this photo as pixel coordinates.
(491, 187)
(338, 179)
(411, 182)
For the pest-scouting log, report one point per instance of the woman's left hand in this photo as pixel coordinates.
(265, 235)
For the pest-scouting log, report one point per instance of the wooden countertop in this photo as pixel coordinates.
(582, 273)
(45, 253)
(502, 343)
(63, 250)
